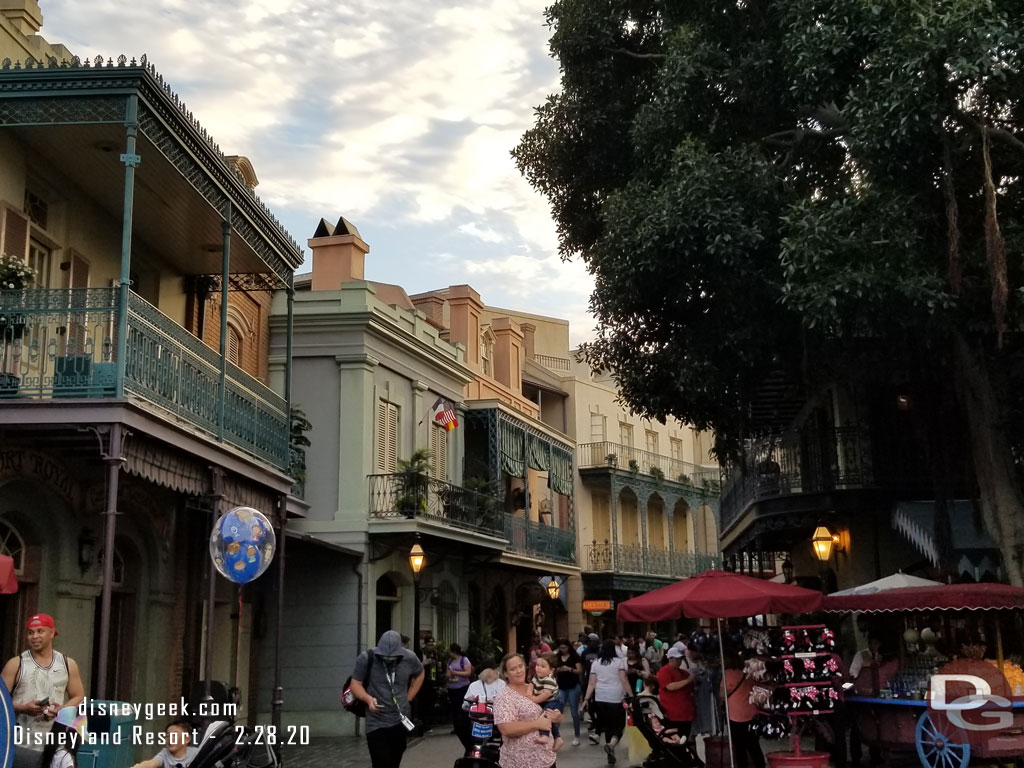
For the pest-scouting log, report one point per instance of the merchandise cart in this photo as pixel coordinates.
(897, 717)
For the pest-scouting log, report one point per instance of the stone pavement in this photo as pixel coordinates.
(437, 749)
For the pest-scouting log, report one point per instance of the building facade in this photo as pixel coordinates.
(130, 417)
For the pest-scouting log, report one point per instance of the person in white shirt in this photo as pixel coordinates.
(485, 687)
(621, 649)
(609, 685)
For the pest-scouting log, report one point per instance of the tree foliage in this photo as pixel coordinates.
(764, 185)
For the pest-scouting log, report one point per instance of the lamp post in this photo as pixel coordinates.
(417, 559)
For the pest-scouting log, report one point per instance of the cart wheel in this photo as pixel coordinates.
(941, 747)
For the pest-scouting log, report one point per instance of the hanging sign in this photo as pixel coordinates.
(597, 607)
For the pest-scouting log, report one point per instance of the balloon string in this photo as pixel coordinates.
(238, 645)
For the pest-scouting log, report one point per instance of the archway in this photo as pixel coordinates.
(447, 615)
(707, 531)
(657, 533)
(681, 523)
(629, 519)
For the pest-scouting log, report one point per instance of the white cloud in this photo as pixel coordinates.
(404, 118)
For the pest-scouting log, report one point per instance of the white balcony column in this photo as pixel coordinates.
(422, 419)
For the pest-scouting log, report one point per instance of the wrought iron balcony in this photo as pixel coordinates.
(616, 456)
(545, 542)
(412, 496)
(649, 561)
(797, 462)
(63, 343)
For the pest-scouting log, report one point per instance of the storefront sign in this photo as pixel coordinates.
(597, 607)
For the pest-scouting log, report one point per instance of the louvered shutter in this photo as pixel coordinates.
(234, 346)
(387, 436)
(439, 451)
(13, 233)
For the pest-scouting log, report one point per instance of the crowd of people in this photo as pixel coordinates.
(679, 683)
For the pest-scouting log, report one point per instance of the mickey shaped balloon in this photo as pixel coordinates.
(242, 544)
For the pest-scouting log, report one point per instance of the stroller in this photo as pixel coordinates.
(486, 739)
(663, 754)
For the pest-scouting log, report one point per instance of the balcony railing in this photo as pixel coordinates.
(799, 461)
(553, 363)
(631, 459)
(63, 343)
(412, 496)
(648, 561)
(545, 542)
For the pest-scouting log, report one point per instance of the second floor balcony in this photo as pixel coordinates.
(414, 496)
(57, 345)
(648, 561)
(629, 459)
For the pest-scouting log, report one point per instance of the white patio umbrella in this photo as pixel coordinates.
(897, 580)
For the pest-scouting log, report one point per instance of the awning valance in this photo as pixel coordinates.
(974, 548)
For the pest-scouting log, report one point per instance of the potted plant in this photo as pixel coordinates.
(657, 474)
(685, 479)
(411, 498)
(612, 459)
(15, 274)
(634, 467)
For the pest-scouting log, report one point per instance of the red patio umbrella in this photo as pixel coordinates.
(718, 595)
(941, 597)
(8, 581)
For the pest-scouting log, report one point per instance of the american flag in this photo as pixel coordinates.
(446, 415)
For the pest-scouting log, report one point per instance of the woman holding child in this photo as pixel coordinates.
(524, 725)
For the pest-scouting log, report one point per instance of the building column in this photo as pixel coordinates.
(356, 430)
(641, 508)
(457, 448)
(130, 160)
(277, 700)
(224, 279)
(113, 459)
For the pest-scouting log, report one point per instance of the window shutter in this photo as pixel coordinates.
(234, 346)
(381, 433)
(392, 441)
(439, 451)
(13, 233)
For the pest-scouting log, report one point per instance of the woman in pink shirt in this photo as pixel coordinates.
(746, 745)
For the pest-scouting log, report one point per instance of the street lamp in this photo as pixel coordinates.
(417, 559)
(823, 541)
(554, 589)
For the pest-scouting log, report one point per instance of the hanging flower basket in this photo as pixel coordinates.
(15, 274)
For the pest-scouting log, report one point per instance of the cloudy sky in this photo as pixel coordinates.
(401, 120)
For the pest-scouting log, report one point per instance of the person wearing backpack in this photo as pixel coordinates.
(386, 679)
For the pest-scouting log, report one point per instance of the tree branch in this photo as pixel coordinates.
(796, 136)
(1006, 137)
(635, 55)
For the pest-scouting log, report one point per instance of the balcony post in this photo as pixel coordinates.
(113, 459)
(130, 160)
(277, 700)
(642, 509)
(288, 362)
(671, 517)
(224, 267)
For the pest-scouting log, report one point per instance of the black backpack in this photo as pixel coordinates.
(348, 697)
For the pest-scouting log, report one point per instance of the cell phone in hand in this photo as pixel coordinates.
(43, 702)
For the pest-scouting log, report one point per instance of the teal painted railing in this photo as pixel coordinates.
(650, 561)
(544, 542)
(62, 343)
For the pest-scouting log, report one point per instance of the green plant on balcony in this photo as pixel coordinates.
(483, 504)
(612, 459)
(412, 477)
(15, 274)
(685, 479)
(634, 467)
(657, 474)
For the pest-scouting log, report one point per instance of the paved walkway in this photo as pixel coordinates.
(438, 749)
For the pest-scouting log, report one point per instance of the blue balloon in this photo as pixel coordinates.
(242, 544)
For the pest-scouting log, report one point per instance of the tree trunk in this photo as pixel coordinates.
(1000, 492)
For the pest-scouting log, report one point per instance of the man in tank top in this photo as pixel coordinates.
(41, 681)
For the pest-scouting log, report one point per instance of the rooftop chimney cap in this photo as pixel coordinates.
(343, 227)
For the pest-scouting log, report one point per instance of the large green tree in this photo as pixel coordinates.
(815, 187)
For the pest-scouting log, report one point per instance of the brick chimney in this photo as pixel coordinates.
(25, 15)
(432, 306)
(465, 309)
(529, 330)
(338, 254)
(508, 353)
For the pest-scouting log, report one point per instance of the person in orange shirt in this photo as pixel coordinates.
(737, 686)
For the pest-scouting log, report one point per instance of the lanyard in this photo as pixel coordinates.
(390, 675)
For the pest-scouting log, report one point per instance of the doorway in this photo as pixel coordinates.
(121, 645)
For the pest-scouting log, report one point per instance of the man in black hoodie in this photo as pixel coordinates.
(395, 677)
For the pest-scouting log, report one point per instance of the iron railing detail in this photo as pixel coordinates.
(545, 542)
(650, 561)
(796, 462)
(625, 457)
(552, 362)
(63, 343)
(412, 496)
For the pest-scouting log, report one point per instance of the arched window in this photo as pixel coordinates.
(12, 545)
(234, 345)
(447, 613)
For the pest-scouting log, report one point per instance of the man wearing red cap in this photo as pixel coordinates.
(42, 681)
